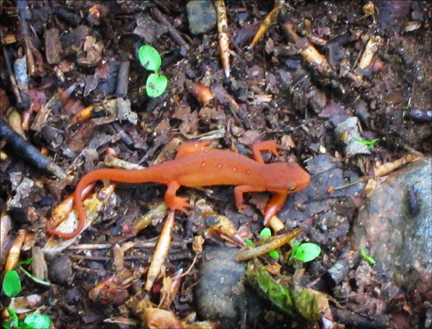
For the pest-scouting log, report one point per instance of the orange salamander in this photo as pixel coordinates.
(195, 165)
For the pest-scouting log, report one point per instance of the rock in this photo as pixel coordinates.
(326, 172)
(396, 227)
(60, 270)
(149, 29)
(349, 132)
(220, 293)
(201, 16)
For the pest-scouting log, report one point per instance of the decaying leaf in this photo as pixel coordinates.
(92, 207)
(289, 296)
(262, 281)
(387, 168)
(273, 243)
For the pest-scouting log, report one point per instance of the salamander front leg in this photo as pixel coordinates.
(173, 201)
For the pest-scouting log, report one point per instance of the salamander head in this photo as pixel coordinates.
(286, 177)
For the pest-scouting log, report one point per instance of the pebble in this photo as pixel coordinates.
(201, 16)
(220, 293)
(60, 270)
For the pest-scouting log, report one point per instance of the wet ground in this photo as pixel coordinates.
(324, 79)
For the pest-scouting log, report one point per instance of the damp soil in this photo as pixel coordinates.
(274, 92)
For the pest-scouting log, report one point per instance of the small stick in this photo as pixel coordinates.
(27, 151)
(161, 251)
(11, 74)
(308, 52)
(15, 251)
(24, 15)
(369, 52)
(123, 79)
(177, 37)
(223, 35)
(123, 135)
(268, 20)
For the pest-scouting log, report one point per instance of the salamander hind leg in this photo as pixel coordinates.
(175, 202)
(271, 146)
(191, 147)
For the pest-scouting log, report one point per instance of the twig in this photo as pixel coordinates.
(15, 251)
(161, 251)
(27, 151)
(177, 37)
(123, 135)
(223, 35)
(25, 15)
(268, 20)
(123, 79)
(11, 74)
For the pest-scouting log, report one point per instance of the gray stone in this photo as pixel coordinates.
(201, 16)
(220, 293)
(396, 227)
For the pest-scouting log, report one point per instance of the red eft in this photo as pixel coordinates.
(195, 165)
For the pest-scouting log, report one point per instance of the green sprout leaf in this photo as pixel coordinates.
(156, 85)
(35, 279)
(28, 261)
(11, 284)
(266, 233)
(370, 144)
(307, 252)
(13, 319)
(149, 58)
(367, 257)
(249, 242)
(274, 254)
(36, 321)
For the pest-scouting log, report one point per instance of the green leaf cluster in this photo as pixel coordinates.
(151, 60)
(31, 321)
(266, 234)
(11, 284)
(370, 144)
(366, 257)
(11, 288)
(305, 252)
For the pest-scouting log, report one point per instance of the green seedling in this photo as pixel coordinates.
(304, 252)
(274, 254)
(266, 234)
(249, 242)
(11, 288)
(31, 321)
(11, 284)
(367, 257)
(151, 60)
(370, 144)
